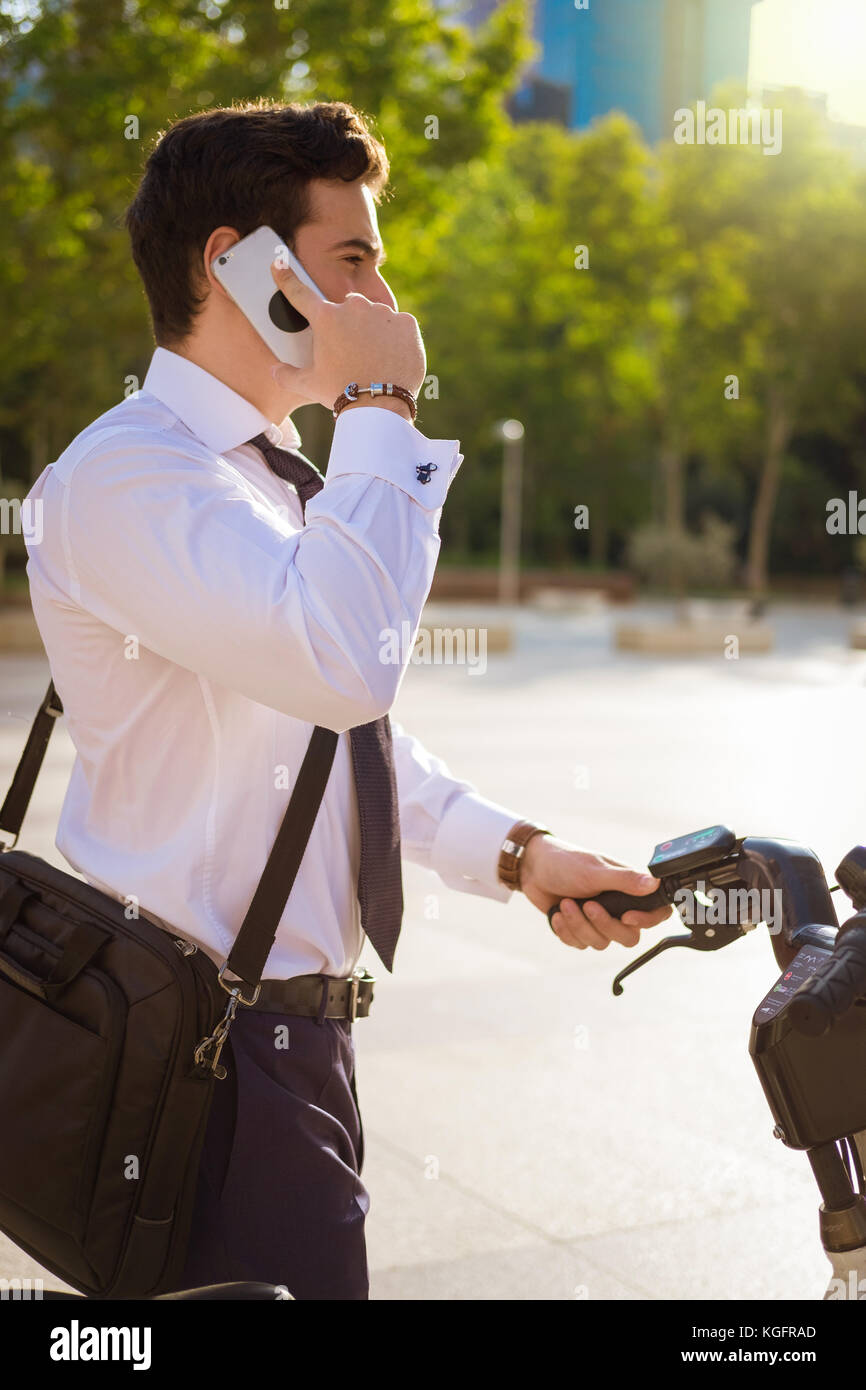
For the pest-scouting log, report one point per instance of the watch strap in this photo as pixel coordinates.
(511, 854)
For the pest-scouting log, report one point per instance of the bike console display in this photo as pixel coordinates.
(692, 851)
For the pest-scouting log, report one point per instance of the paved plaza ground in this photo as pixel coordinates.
(528, 1135)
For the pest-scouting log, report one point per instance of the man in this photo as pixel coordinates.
(205, 600)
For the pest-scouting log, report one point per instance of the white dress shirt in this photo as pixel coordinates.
(197, 630)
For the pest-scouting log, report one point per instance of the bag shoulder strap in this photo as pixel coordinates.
(14, 808)
(259, 928)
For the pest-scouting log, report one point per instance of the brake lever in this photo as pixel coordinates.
(654, 951)
(700, 937)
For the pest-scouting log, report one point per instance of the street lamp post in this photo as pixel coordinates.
(511, 433)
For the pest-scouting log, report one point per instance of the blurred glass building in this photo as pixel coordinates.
(644, 57)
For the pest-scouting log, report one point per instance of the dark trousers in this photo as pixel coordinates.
(279, 1196)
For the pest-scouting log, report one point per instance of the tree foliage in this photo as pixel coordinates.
(606, 294)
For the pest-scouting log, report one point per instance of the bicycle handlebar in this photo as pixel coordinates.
(754, 863)
(617, 903)
(807, 915)
(797, 871)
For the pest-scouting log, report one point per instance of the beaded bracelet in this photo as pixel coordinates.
(376, 388)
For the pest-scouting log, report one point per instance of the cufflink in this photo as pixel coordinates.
(424, 470)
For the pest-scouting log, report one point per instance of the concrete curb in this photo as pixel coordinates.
(673, 639)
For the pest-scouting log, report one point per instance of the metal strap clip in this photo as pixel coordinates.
(231, 988)
(214, 1043)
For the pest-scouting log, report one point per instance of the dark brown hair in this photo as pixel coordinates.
(242, 166)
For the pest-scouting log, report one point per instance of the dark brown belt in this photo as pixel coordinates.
(318, 996)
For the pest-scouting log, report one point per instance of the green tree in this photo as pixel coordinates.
(518, 324)
(86, 85)
(790, 229)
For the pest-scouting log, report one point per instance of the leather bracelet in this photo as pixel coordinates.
(376, 388)
(511, 854)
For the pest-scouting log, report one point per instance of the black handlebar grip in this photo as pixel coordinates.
(617, 903)
(834, 989)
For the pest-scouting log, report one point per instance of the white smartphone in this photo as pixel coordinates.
(244, 270)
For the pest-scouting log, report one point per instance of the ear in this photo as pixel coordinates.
(219, 240)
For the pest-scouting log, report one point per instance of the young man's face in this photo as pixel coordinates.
(338, 246)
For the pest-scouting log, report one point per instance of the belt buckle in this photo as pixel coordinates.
(360, 976)
(353, 996)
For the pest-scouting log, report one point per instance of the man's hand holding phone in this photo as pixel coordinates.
(355, 340)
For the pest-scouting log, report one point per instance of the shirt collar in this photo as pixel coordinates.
(215, 414)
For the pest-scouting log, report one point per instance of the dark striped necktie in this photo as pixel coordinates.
(380, 882)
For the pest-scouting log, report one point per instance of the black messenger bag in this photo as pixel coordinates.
(110, 1038)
